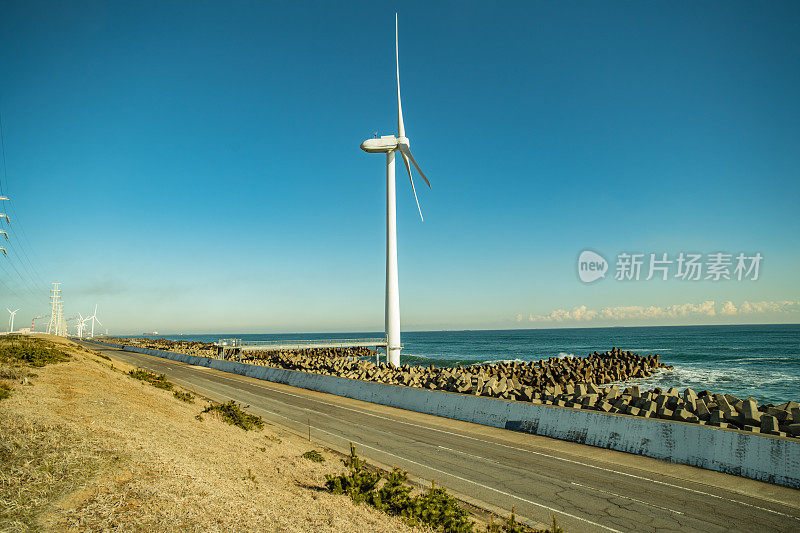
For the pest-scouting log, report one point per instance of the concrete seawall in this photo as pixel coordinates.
(766, 458)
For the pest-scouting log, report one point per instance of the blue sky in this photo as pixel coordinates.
(195, 166)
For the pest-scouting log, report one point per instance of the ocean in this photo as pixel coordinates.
(762, 361)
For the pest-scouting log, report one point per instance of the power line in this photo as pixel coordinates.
(30, 283)
(18, 244)
(3, 283)
(13, 227)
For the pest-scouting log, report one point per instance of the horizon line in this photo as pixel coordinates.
(463, 329)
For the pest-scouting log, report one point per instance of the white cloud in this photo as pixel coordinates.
(631, 311)
(579, 313)
(706, 308)
(781, 306)
(582, 313)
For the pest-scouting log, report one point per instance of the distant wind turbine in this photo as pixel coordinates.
(93, 318)
(389, 144)
(11, 319)
(80, 325)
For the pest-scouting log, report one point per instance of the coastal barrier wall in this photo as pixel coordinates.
(766, 458)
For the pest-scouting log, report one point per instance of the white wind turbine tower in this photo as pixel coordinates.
(93, 318)
(11, 319)
(389, 144)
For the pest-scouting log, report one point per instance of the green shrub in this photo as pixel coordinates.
(234, 415)
(5, 391)
(314, 456)
(358, 483)
(435, 508)
(394, 496)
(156, 380)
(18, 350)
(184, 396)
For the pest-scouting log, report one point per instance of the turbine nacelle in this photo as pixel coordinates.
(384, 144)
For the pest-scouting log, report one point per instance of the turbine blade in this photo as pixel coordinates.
(405, 160)
(407, 152)
(408, 169)
(98, 321)
(401, 129)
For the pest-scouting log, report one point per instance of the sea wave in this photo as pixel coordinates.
(766, 359)
(498, 361)
(764, 385)
(422, 360)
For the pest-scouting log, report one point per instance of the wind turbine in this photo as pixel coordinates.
(83, 326)
(93, 318)
(389, 144)
(11, 319)
(79, 325)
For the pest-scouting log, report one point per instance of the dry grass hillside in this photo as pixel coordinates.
(84, 446)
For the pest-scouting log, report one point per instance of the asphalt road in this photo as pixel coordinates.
(587, 488)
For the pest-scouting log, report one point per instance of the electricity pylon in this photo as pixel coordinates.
(57, 325)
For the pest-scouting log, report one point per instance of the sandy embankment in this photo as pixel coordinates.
(88, 447)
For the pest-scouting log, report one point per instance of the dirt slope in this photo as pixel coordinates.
(86, 447)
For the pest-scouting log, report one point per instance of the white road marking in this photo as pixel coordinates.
(465, 453)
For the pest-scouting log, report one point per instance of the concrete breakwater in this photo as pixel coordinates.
(503, 380)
